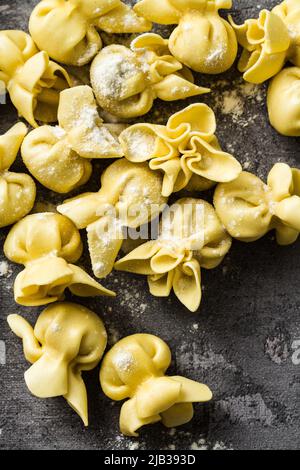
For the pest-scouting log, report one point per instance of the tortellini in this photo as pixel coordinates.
(66, 340)
(203, 40)
(265, 43)
(185, 148)
(67, 29)
(191, 236)
(59, 157)
(249, 209)
(127, 81)
(135, 369)
(46, 244)
(289, 12)
(31, 79)
(284, 102)
(17, 190)
(130, 196)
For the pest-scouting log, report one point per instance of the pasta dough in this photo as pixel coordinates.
(134, 369)
(46, 244)
(17, 190)
(72, 26)
(265, 43)
(185, 148)
(191, 236)
(66, 340)
(203, 40)
(130, 196)
(249, 209)
(31, 79)
(127, 81)
(289, 12)
(59, 157)
(284, 102)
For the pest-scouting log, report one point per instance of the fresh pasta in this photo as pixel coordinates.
(191, 237)
(32, 80)
(284, 102)
(73, 27)
(185, 148)
(59, 157)
(47, 245)
(135, 370)
(265, 43)
(249, 209)
(203, 40)
(66, 340)
(289, 12)
(126, 81)
(17, 190)
(133, 199)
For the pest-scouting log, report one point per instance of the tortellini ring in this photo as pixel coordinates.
(127, 81)
(284, 102)
(66, 340)
(135, 369)
(31, 79)
(17, 190)
(48, 244)
(186, 150)
(73, 27)
(191, 237)
(59, 157)
(203, 40)
(249, 209)
(289, 12)
(265, 43)
(131, 201)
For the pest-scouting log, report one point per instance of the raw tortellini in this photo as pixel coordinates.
(127, 81)
(284, 102)
(191, 237)
(67, 339)
(185, 148)
(265, 43)
(249, 209)
(135, 369)
(130, 196)
(46, 244)
(59, 157)
(31, 79)
(67, 29)
(289, 12)
(17, 190)
(203, 40)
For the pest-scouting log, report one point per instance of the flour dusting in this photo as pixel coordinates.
(5, 270)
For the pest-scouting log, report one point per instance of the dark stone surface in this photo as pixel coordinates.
(240, 343)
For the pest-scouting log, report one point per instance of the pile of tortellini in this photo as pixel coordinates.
(151, 163)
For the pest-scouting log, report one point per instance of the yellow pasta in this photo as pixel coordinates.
(289, 12)
(203, 40)
(185, 149)
(17, 190)
(68, 29)
(135, 369)
(265, 43)
(31, 79)
(126, 81)
(191, 236)
(66, 340)
(59, 157)
(130, 196)
(47, 244)
(249, 209)
(284, 102)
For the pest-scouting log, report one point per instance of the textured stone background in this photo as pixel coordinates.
(242, 342)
